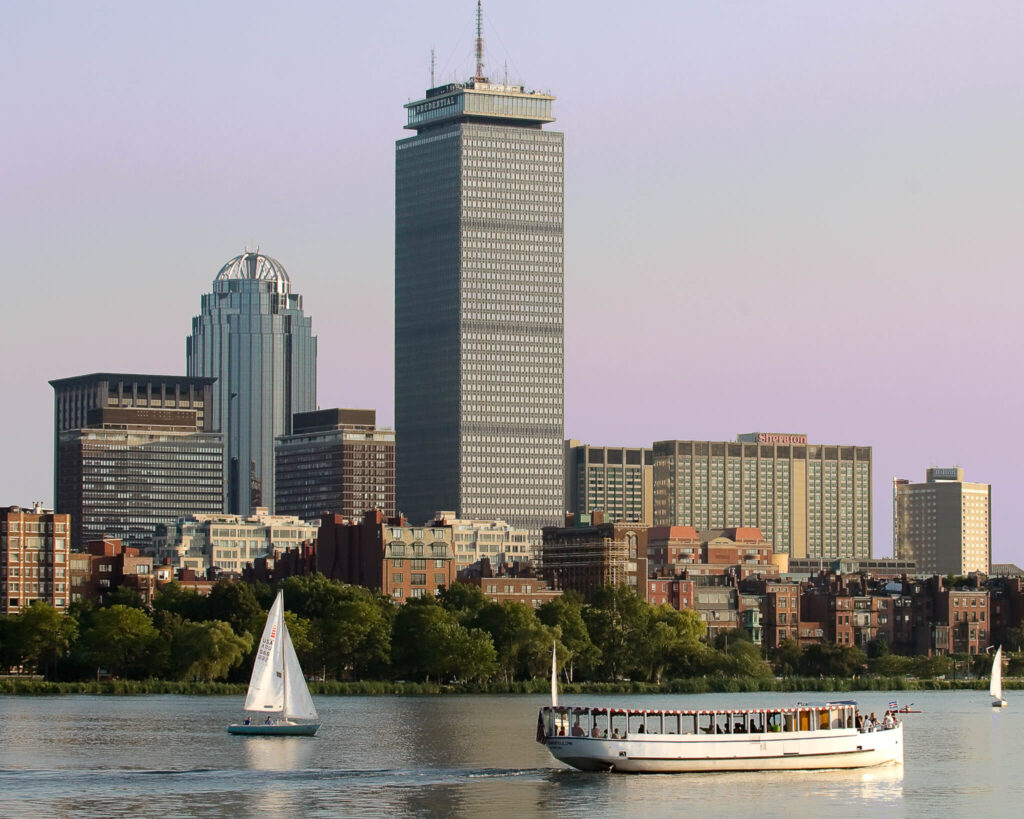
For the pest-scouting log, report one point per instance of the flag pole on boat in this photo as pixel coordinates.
(554, 675)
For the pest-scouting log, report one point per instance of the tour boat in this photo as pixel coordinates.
(805, 736)
(995, 683)
(277, 687)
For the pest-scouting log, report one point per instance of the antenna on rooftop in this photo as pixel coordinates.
(479, 41)
(431, 67)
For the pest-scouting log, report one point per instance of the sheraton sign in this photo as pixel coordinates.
(780, 438)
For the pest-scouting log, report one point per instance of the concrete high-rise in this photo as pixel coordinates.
(479, 306)
(809, 501)
(943, 524)
(132, 452)
(618, 481)
(252, 336)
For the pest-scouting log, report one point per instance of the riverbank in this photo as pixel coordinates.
(697, 685)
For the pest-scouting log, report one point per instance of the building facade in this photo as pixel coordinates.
(618, 481)
(399, 560)
(944, 525)
(479, 306)
(134, 452)
(493, 540)
(252, 336)
(228, 542)
(807, 500)
(335, 460)
(588, 554)
(105, 566)
(35, 558)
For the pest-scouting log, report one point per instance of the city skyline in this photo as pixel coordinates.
(781, 172)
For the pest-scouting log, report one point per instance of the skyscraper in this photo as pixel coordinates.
(807, 500)
(479, 305)
(252, 336)
(943, 524)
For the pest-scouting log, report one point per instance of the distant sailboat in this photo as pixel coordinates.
(277, 686)
(995, 685)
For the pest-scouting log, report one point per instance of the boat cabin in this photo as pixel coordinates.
(614, 723)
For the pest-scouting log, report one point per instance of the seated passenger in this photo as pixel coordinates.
(615, 733)
(640, 729)
(577, 730)
(595, 732)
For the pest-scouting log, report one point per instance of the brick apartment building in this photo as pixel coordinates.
(35, 555)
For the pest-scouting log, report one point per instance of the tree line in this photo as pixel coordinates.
(350, 633)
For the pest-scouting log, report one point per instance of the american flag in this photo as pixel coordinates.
(893, 705)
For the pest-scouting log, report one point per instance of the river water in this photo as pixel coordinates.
(170, 756)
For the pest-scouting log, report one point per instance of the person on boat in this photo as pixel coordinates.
(890, 721)
(248, 721)
(860, 722)
(640, 728)
(615, 733)
(267, 720)
(595, 732)
(577, 729)
(561, 731)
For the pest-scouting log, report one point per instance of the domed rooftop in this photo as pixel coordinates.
(254, 265)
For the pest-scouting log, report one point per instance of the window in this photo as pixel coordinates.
(397, 577)
(418, 579)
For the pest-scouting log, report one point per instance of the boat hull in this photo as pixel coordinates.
(693, 754)
(303, 729)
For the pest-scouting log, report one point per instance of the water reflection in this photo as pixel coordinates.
(277, 753)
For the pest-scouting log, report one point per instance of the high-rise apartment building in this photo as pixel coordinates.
(479, 305)
(132, 452)
(943, 524)
(618, 481)
(808, 500)
(335, 460)
(252, 336)
(35, 558)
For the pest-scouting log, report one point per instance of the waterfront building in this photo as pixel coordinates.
(105, 566)
(943, 524)
(618, 481)
(587, 554)
(809, 501)
(479, 305)
(494, 540)
(228, 542)
(252, 336)
(387, 554)
(35, 550)
(133, 452)
(335, 460)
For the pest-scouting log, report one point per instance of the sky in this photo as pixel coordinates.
(790, 217)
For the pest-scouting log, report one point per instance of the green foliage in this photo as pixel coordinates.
(37, 638)
(187, 604)
(564, 615)
(208, 651)
(122, 640)
(428, 641)
(236, 604)
(831, 660)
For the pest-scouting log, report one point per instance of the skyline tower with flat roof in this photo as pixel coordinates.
(252, 336)
(479, 305)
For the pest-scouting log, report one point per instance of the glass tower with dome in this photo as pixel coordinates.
(252, 336)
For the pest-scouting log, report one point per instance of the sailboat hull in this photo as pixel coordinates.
(298, 729)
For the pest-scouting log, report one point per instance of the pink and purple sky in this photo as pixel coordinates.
(793, 216)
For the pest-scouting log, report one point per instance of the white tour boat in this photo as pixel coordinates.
(995, 683)
(806, 736)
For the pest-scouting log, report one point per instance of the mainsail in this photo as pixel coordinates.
(297, 702)
(266, 686)
(995, 685)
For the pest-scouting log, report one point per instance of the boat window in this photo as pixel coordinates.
(789, 721)
(654, 724)
(689, 724)
(707, 723)
(756, 723)
(618, 723)
(723, 724)
(601, 721)
(636, 724)
(671, 723)
(739, 723)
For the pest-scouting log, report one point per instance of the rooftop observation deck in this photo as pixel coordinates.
(478, 100)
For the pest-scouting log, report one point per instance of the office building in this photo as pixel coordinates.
(335, 460)
(228, 542)
(618, 481)
(808, 500)
(252, 336)
(479, 305)
(133, 452)
(35, 558)
(943, 524)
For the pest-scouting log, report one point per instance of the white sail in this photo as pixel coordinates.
(266, 686)
(554, 676)
(297, 702)
(995, 685)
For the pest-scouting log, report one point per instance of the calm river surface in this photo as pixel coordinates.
(464, 755)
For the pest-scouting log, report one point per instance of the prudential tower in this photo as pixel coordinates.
(252, 336)
(479, 304)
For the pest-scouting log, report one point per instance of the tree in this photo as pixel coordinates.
(617, 621)
(236, 604)
(831, 660)
(788, 657)
(565, 613)
(124, 596)
(517, 636)
(464, 600)
(186, 603)
(121, 639)
(44, 635)
(208, 650)
(353, 639)
(428, 641)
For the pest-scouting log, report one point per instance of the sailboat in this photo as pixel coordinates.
(277, 688)
(995, 685)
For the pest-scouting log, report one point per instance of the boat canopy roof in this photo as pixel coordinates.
(697, 711)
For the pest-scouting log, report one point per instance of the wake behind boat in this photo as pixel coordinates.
(806, 736)
(277, 689)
